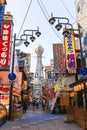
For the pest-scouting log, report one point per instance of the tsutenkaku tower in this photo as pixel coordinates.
(39, 67)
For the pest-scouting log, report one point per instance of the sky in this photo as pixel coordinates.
(36, 13)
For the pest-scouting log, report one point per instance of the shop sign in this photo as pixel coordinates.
(83, 71)
(58, 57)
(5, 43)
(70, 55)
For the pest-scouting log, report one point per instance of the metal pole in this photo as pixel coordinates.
(11, 88)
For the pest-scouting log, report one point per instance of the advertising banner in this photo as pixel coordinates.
(58, 58)
(70, 54)
(5, 44)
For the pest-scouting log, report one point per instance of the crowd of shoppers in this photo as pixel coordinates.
(35, 103)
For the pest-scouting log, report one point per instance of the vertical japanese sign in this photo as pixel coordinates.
(70, 54)
(61, 62)
(5, 43)
(55, 56)
(58, 57)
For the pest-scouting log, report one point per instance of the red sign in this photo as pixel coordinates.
(58, 57)
(61, 62)
(5, 43)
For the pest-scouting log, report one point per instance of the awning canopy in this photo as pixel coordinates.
(78, 82)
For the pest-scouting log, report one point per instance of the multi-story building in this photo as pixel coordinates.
(24, 60)
(47, 72)
(81, 9)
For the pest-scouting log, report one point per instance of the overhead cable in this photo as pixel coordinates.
(24, 18)
(47, 17)
(67, 10)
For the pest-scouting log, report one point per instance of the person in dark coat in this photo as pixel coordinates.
(24, 106)
(34, 103)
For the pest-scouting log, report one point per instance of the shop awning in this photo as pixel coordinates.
(77, 82)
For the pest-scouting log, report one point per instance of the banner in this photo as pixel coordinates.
(59, 64)
(70, 54)
(5, 44)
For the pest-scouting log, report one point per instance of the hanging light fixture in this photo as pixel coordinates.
(38, 33)
(65, 33)
(26, 43)
(52, 20)
(58, 26)
(32, 38)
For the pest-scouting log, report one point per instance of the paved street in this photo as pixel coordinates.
(40, 120)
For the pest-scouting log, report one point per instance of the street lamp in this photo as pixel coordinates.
(53, 19)
(32, 38)
(68, 29)
(12, 76)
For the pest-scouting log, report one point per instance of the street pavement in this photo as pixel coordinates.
(40, 120)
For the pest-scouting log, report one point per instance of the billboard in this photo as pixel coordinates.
(58, 58)
(70, 53)
(5, 43)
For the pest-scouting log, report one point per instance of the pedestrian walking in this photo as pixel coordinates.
(34, 103)
(24, 106)
(37, 102)
(44, 102)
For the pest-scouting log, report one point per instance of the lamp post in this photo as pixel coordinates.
(12, 76)
(68, 29)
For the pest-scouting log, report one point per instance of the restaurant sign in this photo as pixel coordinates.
(5, 43)
(70, 54)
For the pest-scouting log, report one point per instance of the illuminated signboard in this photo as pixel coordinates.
(70, 54)
(5, 43)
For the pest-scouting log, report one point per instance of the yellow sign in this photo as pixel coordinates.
(70, 54)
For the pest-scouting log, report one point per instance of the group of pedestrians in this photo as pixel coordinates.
(35, 103)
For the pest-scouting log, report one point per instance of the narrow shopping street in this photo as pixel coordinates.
(40, 120)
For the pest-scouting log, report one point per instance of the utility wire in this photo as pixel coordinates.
(44, 8)
(47, 17)
(24, 18)
(67, 10)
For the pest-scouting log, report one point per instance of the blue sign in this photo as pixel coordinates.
(83, 71)
(12, 76)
